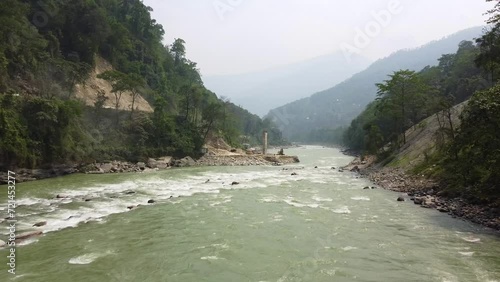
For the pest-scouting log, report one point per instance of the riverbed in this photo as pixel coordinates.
(317, 225)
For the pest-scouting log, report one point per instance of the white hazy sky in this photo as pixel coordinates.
(249, 35)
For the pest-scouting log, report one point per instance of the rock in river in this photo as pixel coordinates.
(40, 224)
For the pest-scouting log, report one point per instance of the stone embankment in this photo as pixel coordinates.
(246, 160)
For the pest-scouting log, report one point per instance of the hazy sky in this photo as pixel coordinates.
(238, 36)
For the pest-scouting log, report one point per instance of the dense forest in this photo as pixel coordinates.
(46, 48)
(467, 156)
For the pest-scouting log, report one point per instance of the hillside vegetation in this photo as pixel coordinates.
(441, 122)
(50, 56)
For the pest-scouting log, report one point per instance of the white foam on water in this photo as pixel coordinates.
(362, 198)
(270, 199)
(277, 218)
(320, 199)
(220, 246)
(329, 272)
(87, 258)
(297, 204)
(349, 248)
(217, 203)
(211, 258)
(33, 201)
(467, 254)
(342, 210)
(443, 276)
(108, 199)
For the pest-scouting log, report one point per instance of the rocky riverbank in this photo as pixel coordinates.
(24, 175)
(426, 193)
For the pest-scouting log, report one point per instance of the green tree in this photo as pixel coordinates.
(179, 50)
(402, 96)
(475, 153)
(133, 83)
(115, 78)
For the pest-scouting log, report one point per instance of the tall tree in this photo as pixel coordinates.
(116, 79)
(402, 97)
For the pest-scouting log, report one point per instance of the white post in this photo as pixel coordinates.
(264, 145)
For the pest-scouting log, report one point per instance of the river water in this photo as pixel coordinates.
(319, 225)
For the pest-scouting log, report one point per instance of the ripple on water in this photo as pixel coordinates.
(471, 239)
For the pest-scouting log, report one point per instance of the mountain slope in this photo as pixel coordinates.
(87, 91)
(286, 83)
(337, 106)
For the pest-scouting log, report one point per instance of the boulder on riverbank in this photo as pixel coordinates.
(160, 163)
(184, 162)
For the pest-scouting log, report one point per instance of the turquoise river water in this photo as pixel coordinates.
(317, 226)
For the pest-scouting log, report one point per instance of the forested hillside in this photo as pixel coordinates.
(319, 117)
(46, 48)
(466, 154)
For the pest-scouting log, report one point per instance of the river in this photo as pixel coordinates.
(319, 225)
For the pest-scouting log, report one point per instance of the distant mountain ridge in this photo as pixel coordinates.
(339, 105)
(261, 91)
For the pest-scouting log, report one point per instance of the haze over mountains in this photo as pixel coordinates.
(339, 105)
(259, 92)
